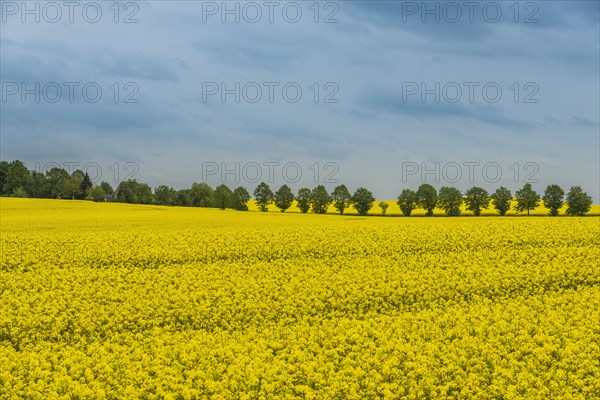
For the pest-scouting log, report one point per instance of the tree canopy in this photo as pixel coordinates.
(527, 199)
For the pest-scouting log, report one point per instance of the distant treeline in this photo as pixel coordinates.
(18, 181)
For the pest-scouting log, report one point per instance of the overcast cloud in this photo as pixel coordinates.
(362, 67)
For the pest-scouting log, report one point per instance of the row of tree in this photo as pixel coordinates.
(449, 199)
(318, 199)
(477, 199)
(16, 180)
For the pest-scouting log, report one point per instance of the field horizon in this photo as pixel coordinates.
(393, 209)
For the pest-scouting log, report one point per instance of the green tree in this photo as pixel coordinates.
(3, 174)
(263, 196)
(407, 201)
(241, 197)
(477, 199)
(527, 199)
(284, 198)
(450, 199)
(106, 187)
(341, 198)
(201, 195)
(145, 195)
(223, 197)
(427, 198)
(96, 193)
(86, 185)
(362, 200)
(578, 202)
(132, 191)
(55, 180)
(501, 199)
(17, 176)
(183, 198)
(553, 199)
(165, 195)
(71, 188)
(78, 192)
(127, 192)
(384, 206)
(319, 200)
(304, 199)
(37, 185)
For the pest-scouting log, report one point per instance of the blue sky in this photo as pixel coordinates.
(397, 90)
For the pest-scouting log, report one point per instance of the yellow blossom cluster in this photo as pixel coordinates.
(119, 301)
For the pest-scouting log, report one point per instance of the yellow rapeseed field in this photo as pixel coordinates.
(118, 301)
(393, 209)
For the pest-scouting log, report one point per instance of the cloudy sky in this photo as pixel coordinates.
(381, 94)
